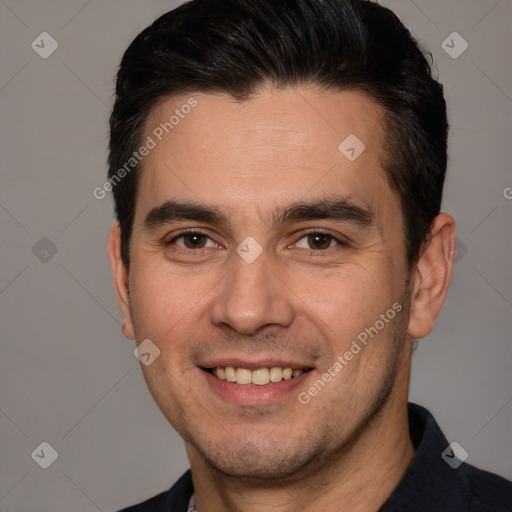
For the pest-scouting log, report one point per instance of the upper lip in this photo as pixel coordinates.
(237, 362)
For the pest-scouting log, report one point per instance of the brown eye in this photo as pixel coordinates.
(318, 241)
(191, 240)
(194, 240)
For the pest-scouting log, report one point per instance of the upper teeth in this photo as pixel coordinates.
(261, 376)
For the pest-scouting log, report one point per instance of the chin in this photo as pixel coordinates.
(262, 460)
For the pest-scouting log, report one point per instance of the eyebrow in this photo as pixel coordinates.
(337, 209)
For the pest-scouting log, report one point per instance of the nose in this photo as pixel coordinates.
(252, 296)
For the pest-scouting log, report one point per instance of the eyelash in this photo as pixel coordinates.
(192, 231)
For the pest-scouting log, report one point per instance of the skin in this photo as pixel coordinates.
(349, 446)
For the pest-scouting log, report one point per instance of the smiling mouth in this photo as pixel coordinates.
(258, 377)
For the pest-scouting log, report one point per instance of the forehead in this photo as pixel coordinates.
(277, 147)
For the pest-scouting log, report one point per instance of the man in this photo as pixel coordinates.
(277, 170)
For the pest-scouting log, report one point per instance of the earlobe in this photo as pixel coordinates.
(432, 276)
(120, 280)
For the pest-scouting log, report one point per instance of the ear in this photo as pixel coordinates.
(432, 276)
(120, 278)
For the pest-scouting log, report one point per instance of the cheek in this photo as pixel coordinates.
(161, 300)
(346, 301)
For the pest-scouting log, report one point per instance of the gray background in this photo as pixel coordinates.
(68, 377)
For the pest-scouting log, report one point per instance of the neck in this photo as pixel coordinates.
(357, 478)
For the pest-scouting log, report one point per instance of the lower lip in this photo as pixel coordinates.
(252, 394)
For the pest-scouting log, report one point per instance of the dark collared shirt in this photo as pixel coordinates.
(430, 484)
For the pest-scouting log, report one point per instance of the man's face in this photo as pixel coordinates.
(267, 175)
